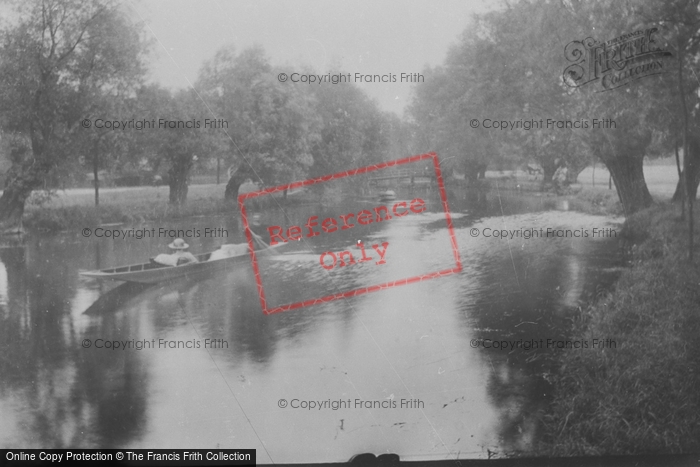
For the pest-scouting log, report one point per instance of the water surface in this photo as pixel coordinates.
(410, 343)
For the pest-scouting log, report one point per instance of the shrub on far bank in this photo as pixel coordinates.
(597, 201)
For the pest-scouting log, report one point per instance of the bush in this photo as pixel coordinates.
(642, 396)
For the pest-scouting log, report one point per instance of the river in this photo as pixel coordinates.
(242, 379)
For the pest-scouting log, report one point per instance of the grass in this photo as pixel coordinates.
(75, 208)
(130, 195)
(660, 179)
(598, 200)
(642, 396)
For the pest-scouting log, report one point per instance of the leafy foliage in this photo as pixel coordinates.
(56, 60)
(271, 127)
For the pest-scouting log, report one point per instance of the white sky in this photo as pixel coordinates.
(362, 36)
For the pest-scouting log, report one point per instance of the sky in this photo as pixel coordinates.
(384, 37)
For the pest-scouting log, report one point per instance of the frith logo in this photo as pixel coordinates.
(615, 62)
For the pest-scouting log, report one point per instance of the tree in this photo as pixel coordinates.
(643, 102)
(271, 125)
(522, 47)
(503, 69)
(684, 17)
(508, 66)
(103, 148)
(181, 146)
(402, 137)
(622, 150)
(177, 134)
(440, 113)
(54, 59)
(354, 132)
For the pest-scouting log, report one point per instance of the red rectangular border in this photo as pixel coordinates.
(364, 290)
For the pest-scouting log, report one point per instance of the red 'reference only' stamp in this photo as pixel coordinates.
(319, 228)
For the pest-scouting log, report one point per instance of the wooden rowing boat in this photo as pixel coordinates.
(153, 273)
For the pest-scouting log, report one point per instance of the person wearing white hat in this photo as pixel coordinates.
(179, 256)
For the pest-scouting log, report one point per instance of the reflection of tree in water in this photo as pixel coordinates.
(71, 397)
(115, 383)
(227, 307)
(258, 335)
(518, 298)
(249, 333)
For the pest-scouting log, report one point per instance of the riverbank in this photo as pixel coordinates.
(133, 207)
(642, 395)
(75, 209)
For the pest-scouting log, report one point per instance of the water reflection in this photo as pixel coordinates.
(409, 343)
(528, 291)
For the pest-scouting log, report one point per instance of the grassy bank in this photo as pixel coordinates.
(642, 396)
(75, 209)
(597, 201)
(73, 217)
(590, 200)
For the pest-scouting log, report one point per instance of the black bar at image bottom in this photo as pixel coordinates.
(136, 457)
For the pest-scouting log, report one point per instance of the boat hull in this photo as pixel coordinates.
(150, 273)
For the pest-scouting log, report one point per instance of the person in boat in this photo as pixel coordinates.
(179, 257)
(228, 250)
(238, 249)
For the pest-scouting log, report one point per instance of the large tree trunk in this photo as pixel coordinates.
(679, 194)
(235, 182)
(689, 167)
(12, 208)
(571, 176)
(631, 187)
(680, 187)
(471, 175)
(178, 189)
(694, 167)
(27, 173)
(573, 171)
(178, 175)
(479, 171)
(178, 178)
(95, 170)
(549, 168)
